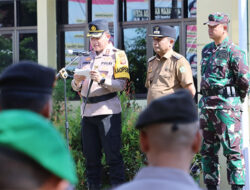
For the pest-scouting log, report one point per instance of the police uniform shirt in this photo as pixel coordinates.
(104, 63)
(149, 178)
(167, 74)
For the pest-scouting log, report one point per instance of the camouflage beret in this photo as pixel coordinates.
(217, 18)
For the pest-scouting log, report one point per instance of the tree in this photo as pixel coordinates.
(136, 53)
(5, 52)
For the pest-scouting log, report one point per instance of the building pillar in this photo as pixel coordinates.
(243, 43)
(46, 32)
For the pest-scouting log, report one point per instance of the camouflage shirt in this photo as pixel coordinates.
(222, 65)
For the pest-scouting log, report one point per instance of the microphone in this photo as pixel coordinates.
(78, 53)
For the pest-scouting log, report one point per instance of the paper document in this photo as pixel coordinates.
(83, 72)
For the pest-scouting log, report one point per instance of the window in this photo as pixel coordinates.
(72, 19)
(26, 13)
(74, 40)
(103, 9)
(137, 10)
(28, 46)
(71, 11)
(18, 36)
(191, 8)
(168, 9)
(6, 50)
(7, 13)
(135, 21)
(138, 17)
(135, 47)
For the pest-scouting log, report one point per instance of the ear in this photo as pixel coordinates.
(197, 142)
(144, 145)
(225, 27)
(108, 36)
(47, 109)
(55, 183)
(172, 41)
(62, 185)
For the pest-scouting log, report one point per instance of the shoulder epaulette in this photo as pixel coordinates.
(151, 58)
(115, 50)
(177, 55)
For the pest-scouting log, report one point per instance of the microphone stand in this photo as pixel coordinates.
(63, 73)
(87, 96)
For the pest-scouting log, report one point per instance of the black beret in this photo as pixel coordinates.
(164, 31)
(27, 77)
(97, 27)
(176, 108)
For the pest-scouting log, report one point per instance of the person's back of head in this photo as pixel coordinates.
(16, 168)
(169, 127)
(33, 155)
(27, 85)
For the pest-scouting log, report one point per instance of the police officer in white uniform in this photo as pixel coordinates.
(101, 120)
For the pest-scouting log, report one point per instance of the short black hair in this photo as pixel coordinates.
(18, 171)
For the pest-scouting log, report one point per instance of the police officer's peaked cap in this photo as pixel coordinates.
(27, 77)
(217, 18)
(97, 27)
(176, 108)
(164, 31)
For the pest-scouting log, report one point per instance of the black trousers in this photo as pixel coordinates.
(102, 133)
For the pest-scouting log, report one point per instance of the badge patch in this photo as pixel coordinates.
(104, 73)
(88, 59)
(122, 58)
(107, 52)
(182, 69)
(93, 28)
(121, 66)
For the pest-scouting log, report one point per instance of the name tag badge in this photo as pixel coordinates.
(150, 69)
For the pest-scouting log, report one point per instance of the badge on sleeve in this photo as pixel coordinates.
(182, 69)
(88, 59)
(121, 65)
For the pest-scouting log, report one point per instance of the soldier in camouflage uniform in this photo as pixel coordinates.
(224, 85)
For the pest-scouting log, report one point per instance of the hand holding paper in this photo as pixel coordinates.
(83, 72)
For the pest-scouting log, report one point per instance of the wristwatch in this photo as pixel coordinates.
(102, 81)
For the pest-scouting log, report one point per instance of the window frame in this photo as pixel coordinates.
(122, 24)
(16, 31)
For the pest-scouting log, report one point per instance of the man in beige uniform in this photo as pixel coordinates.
(101, 122)
(168, 71)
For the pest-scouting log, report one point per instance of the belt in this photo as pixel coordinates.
(227, 91)
(96, 99)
